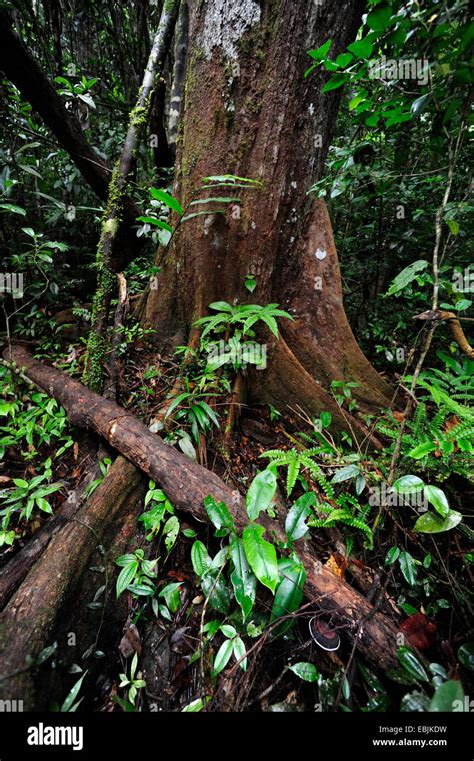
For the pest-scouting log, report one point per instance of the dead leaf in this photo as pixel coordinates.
(419, 631)
(337, 564)
(130, 642)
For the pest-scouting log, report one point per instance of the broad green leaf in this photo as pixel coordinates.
(218, 513)
(13, 208)
(295, 524)
(156, 222)
(126, 576)
(453, 226)
(466, 655)
(194, 707)
(220, 559)
(361, 48)
(412, 664)
(214, 587)
(449, 697)
(250, 283)
(171, 595)
(200, 558)
(437, 498)
(261, 493)
(20, 482)
(408, 485)
(392, 555)
(408, 567)
(326, 419)
(170, 532)
(430, 523)
(344, 60)
(356, 101)
(345, 474)
(239, 653)
(463, 304)
(289, 593)
(124, 560)
(380, 18)
(321, 53)
(336, 81)
(221, 306)
(167, 199)
(306, 671)
(406, 276)
(261, 555)
(44, 505)
(223, 656)
(242, 578)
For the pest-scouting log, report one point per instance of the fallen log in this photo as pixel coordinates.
(187, 484)
(29, 621)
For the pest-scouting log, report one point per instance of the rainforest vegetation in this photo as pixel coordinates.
(236, 386)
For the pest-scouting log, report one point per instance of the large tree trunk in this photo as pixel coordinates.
(249, 111)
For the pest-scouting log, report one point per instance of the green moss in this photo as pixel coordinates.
(110, 227)
(139, 115)
(93, 371)
(199, 54)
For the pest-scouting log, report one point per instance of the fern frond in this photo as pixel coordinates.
(292, 475)
(342, 516)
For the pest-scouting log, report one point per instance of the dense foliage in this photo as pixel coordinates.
(397, 185)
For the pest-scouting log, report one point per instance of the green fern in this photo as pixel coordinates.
(451, 445)
(343, 516)
(296, 462)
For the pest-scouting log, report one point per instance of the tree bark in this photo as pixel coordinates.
(250, 111)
